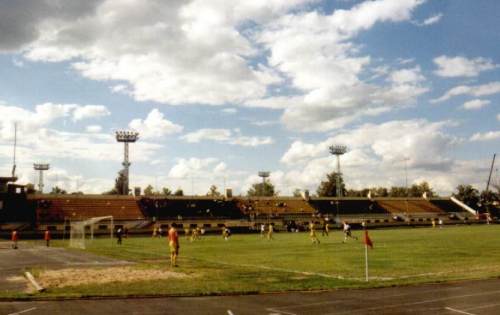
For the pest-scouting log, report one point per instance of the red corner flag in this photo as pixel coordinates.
(367, 241)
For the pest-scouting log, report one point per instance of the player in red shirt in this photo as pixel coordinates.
(14, 237)
(47, 237)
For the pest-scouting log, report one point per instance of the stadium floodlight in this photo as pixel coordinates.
(264, 175)
(126, 137)
(338, 150)
(40, 167)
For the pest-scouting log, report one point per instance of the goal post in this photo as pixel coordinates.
(81, 230)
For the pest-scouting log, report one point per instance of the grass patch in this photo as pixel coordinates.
(248, 263)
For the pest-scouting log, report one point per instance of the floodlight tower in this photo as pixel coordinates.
(126, 137)
(40, 167)
(338, 150)
(264, 175)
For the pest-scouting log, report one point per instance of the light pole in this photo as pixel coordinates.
(40, 167)
(338, 150)
(406, 159)
(264, 175)
(126, 137)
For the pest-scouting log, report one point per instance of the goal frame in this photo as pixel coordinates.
(78, 231)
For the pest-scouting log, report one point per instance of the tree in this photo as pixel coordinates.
(328, 188)
(468, 195)
(119, 181)
(265, 189)
(297, 193)
(213, 192)
(179, 192)
(58, 191)
(396, 191)
(148, 191)
(380, 192)
(166, 192)
(30, 188)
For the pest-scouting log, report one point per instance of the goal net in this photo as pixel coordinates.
(83, 230)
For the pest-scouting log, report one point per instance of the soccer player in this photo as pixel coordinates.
(173, 244)
(47, 237)
(314, 238)
(262, 230)
(270, 232)
(119, 233)
(326, 228)
(14, 238)
(347, 231)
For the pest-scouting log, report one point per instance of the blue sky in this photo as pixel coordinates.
(220, 90)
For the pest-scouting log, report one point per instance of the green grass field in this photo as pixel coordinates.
(248, 263)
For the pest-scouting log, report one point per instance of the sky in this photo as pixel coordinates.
(220, 90)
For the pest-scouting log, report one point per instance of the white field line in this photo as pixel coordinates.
(277, 311)
(419, 302)
(440, 290)
(482, 306)
(25, 311)
(309, 273)
(458, 311)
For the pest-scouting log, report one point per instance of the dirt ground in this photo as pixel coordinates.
(82, 276)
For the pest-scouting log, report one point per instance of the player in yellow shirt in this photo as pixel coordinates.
(312, 233)
(270, 232)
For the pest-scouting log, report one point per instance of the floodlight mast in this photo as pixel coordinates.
(264, 175)
(40, 167)
(126, 137)
(338, 150)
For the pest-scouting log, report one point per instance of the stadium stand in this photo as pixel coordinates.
(446, 205)
(346, 206)
(187, 208)
(413, 206)
(57, 208)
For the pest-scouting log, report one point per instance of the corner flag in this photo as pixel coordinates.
(367, 241)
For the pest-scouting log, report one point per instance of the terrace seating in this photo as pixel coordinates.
(189, 208)
(446, 205)
(347, 206)
(412, 206)
(274, 206)
(59, 208)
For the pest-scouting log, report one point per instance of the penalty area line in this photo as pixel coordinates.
(25, 311)
(310, 273)
(458, 311)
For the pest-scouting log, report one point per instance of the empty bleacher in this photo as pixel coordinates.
(446, 205)
(57, 208)
(413, 206)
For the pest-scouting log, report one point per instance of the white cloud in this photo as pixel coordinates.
(225, 136)
(475, 104)
(486, 136)
(498, 117)
(203, 48)
(410, 76)
(382, 149)
(477, 91)
(316, 53)
(462, 67)
(154, 126)
(93, 128)
(90, 111)
(192, 167)
(229, 110)
(430, 20)
(210, 52)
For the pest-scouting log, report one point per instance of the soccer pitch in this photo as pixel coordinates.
(249, 263)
